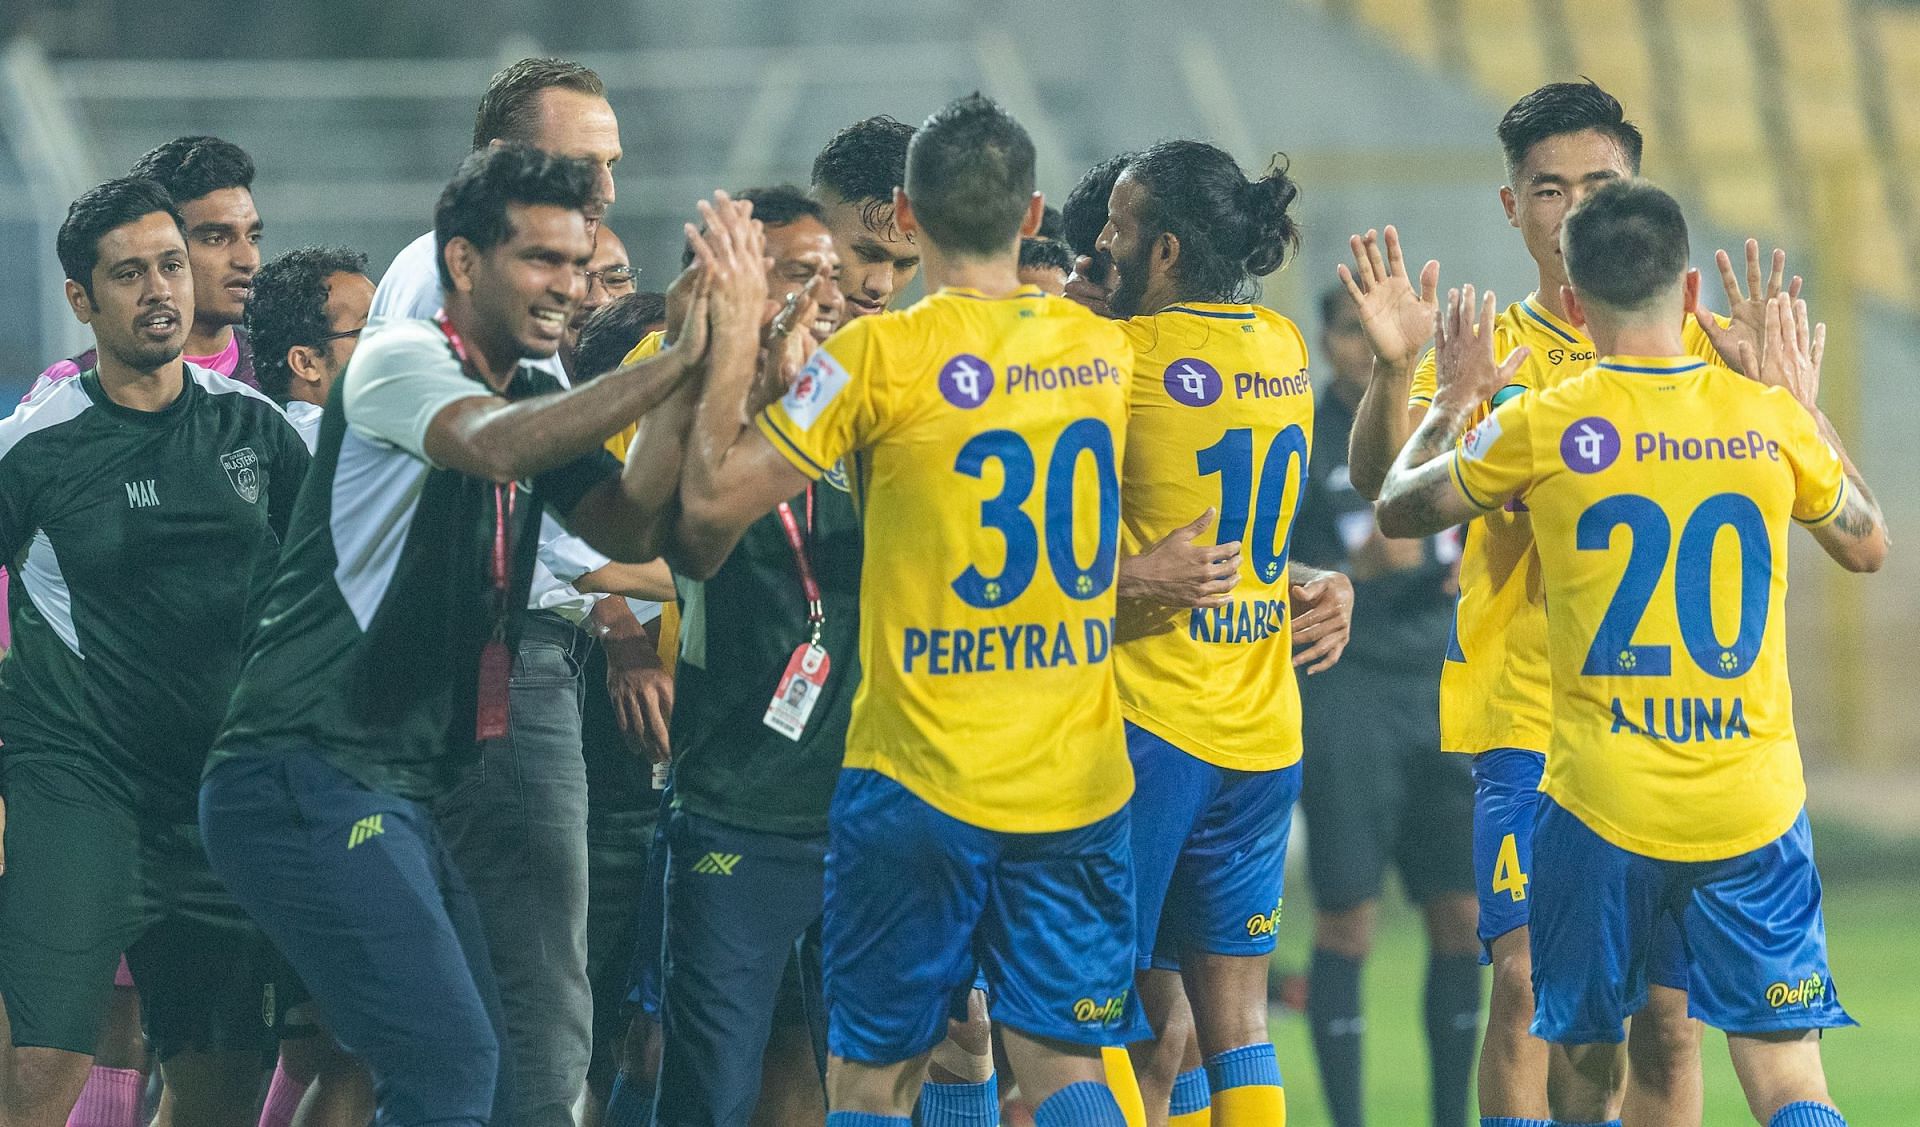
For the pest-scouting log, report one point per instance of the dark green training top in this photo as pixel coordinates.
(738, 630)
(138, 544)
(369, 650)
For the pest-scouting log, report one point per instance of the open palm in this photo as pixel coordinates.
(1397, 318)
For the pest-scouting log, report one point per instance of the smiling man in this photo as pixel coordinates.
(145, 500)
(211, 182)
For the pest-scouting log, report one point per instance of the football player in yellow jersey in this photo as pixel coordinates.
(1222, 416)
(982, 812)
(1561, 142)
(1661, 489)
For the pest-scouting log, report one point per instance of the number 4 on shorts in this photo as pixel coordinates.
(1508, 876)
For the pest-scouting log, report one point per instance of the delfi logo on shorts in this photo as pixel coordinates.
(966, 381)
(1807, 992)
(1105, 1013)
(1193, 381)
(1266, 924)
(1589, 445)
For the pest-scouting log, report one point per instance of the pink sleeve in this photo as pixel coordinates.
(60, 370)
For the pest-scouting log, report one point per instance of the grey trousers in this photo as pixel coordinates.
(517, 827)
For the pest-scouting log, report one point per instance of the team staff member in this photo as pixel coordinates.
(211, 183)
(145, 500)
(308, 309)
(1212, 711)
(518, 825)
(382, 658)
(1561, 142)
(1673, 792)
(982, 809)
(1378, 790)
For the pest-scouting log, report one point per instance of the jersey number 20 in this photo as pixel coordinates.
(1004, 513)
(1613, 653)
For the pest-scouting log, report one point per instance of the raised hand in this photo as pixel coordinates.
(731, 249)
(789, 342)
(1466, 372)
(1398, 319)
(1083, 290)
(1790, 350)
(1746, 311)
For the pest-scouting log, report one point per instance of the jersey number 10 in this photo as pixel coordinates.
(1232, 459)
(1003, 513)
(1613, 653)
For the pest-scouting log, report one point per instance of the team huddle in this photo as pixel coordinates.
(950, 653)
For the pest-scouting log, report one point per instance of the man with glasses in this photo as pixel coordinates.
(308, 308)
(610, 275)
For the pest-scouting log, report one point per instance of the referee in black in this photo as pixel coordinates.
(1378, 790)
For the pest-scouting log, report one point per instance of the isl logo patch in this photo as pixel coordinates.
(1589, 445)
(966, 381)
(1193, 381)
(243, 470)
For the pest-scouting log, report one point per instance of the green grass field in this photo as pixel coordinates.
(1874, 932)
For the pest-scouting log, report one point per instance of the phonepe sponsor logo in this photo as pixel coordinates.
(1658, 446)
(1196, 383)
(1590, 445)
(966, 381)
(1193, 381)
(1062, 377)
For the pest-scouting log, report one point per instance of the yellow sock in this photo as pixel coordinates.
(1126, 1087)
(1253, 1105)
(1201, 1118)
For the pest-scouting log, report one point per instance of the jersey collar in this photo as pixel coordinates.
(1218, 309)
(1021, 294)
(1532, 308)
(1652, 365)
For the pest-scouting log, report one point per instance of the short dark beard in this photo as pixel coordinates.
(147, 360)
(1132, 290)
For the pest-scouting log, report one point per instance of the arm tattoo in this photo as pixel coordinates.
(1860, 514)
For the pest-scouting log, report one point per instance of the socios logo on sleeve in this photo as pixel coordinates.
(1193, 381)
(814, 388)
(1589, 445)
(966, 381)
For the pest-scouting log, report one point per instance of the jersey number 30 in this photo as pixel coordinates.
(1004, 513)
(1614, 653)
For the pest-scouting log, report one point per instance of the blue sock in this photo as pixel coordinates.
(1190, 1092)
(630, 1104)
(960, 1105)
(1571, 1123)
(865, 1119)
(1086, 1104)
(1807, 1113)
(1243, 1067)
(1512, 1121)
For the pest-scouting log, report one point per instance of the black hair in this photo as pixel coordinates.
(970, 176)
(1230, 229)
(1559, 108)
(474, 203)
(863, 164)
(192, 167)
(613, 330)
(101, 209)
(1037, 251)
(1332, 300)
(289, 307)
(776, 206)
(1084, 215)
(1626, 244)
(1052, 224)
(510, 107)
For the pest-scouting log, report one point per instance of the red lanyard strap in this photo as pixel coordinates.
(809, 586)
(503, 495)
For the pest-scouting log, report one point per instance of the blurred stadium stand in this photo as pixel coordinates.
(1797, 121)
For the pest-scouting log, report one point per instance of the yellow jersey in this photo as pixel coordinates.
(1495, 686)
(1661, 490)
(1222, 417)
(982, 437)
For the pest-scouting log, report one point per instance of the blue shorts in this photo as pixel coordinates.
(1209, 852)
(1506, 804)
(1750, 926)
(919, 903)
